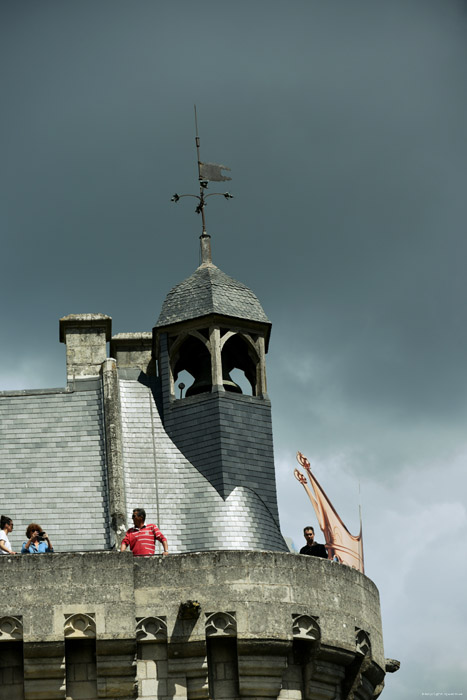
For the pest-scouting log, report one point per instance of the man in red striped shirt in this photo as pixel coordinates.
(142, 538)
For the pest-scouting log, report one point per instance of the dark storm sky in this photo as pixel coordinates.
(345, 125)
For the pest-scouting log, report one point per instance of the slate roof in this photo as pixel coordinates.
(210, 291)
(54, 440)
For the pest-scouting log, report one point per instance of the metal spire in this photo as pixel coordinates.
(207, 172)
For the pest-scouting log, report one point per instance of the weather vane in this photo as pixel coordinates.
(207, 172)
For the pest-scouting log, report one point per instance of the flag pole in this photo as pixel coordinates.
(361, 527)
(206, 173)
(201, 188)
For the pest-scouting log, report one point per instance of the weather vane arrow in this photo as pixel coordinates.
(207, 172)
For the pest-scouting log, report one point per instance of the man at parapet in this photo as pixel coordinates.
(142, 538)
(312, 548)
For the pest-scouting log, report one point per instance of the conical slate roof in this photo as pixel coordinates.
(210, 291)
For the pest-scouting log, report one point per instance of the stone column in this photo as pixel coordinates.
(114, 447)
(261, 385)
(216, 359)
(152, 667)
(221, 641)
(165, 372)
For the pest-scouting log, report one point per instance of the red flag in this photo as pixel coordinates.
(339, 542)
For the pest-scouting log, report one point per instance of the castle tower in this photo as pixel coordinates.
(217, 618)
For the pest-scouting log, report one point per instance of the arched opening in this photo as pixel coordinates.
(238, 376)
(184, 381)
(239, 357)
(194, 358)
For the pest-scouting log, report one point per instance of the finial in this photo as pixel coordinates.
(207, 172)
(205, 246)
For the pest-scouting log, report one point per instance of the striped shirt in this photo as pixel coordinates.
(142, 541)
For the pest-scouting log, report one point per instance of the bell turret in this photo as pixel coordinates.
(210, 326)
(213, 325)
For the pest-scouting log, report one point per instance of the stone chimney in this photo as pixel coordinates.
(133, 351)
(85, 336)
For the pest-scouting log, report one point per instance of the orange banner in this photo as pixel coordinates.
(347, 548)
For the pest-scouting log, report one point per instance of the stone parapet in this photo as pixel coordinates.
(212, 624)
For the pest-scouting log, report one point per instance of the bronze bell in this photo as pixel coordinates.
(227, 381)
(203, 378)
(202, 375)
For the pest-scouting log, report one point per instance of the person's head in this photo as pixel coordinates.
(33, 527)
(139, 516)
(309, 533)
(6, 523)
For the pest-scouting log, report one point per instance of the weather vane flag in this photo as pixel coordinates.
(340, 544)
(212, 172)
(207, 172)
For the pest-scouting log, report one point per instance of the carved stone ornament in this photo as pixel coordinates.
(11, 629)
(362, 641)
(221, 624)
(80, 626)
(151, 629)
(392, 665)
(306, 627)
(190, 610)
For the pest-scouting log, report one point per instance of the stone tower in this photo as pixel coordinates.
(219, 617)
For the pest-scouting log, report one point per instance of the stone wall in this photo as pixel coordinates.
(207, 625)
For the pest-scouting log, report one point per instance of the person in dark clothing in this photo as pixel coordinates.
(312, 548)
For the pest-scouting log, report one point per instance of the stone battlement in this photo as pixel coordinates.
(210, 624)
